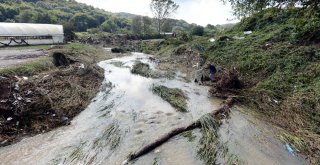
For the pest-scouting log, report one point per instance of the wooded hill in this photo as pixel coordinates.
(81, 17)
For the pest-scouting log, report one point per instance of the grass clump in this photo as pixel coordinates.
(144, 70)
(189, 135)
(176, 97)
(209, 142)
(211, 149)
(141, 69)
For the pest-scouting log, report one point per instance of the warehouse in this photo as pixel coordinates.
(30, 34)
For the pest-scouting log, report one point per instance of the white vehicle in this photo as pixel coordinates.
(30, 34)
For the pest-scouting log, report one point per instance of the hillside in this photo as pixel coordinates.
(77, 17)
(276, 54)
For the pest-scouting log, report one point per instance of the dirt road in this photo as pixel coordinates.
(9, 57)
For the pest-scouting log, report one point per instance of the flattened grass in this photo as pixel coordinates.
(174, 96)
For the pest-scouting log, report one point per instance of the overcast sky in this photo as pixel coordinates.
(201, 12)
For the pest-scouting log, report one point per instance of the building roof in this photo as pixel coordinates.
(27, 29)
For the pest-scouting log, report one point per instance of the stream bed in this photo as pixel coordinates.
(126, 115)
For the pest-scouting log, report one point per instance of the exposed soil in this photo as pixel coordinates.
(10, 57)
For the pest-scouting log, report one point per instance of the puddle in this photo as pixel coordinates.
(125, 118)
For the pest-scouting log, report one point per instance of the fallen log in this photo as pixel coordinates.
(219, 113)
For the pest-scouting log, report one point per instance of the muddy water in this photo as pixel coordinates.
(125, 115)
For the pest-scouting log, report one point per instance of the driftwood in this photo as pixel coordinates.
(218, 113)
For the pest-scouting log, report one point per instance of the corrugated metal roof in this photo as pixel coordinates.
(27, 29)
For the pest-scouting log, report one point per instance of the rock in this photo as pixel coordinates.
(65, 120)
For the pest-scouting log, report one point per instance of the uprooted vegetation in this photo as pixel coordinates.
(144, 70)
(211, 150)
(277, 68)
(176, 97)
(51, 98)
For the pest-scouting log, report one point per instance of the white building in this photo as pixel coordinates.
(30, 34)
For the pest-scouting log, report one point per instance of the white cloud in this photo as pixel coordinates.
(201, 12)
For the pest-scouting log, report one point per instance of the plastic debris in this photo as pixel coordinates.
(29, 92)
(289, 149)
(238, 38)
(4, 78)
(212, 40)
(9, 118)
(28, 100)
(25, 78)
(16, 87)
(247, 32)
(81, 66)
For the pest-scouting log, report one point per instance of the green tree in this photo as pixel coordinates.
(146, 24)
(109, 26)
(82, 22)
(168, 25)
(43, 17)
(243, 8)
(136, 25)
(162, 9)
(197, 30)
(24, 16)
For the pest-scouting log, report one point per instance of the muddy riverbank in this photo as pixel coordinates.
(125, 115)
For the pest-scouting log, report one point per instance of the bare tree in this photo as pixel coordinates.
(161, 10)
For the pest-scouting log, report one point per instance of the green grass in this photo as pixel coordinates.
(279, 65)
(79, 52)
(29, 68)
(176, 97)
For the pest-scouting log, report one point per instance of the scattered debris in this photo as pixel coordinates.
(228, 80)
(215, 116)
(212, 40)
(238, 38)
(247, 32)
(289, 149)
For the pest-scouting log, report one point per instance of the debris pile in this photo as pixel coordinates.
(45, 101)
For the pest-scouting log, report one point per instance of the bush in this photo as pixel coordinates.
(197, 30)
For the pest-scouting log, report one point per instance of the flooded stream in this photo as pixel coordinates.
(125, 115)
